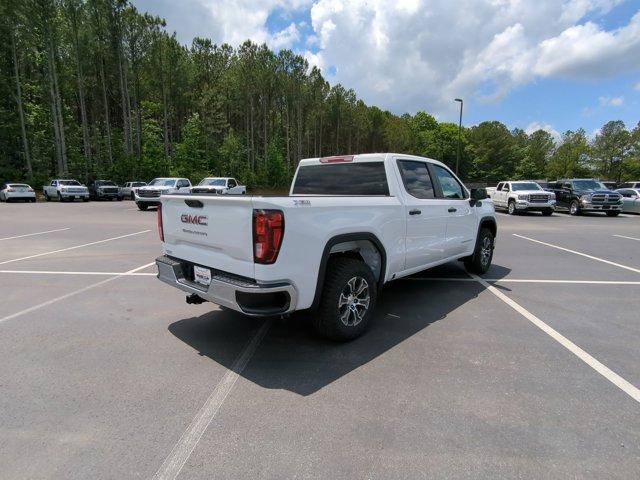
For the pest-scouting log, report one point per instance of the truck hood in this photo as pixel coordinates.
(596, 190)
(154, 189)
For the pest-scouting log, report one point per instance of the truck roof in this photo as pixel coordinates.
(363, 157)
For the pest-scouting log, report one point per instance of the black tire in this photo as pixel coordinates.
(46, 197)
(574, 208)
(142, 206)
(547, 212)
(33, 200)
(511, 207)
(60, 198)
(133, 196)
(612, 214)
(345, 322)
(480, 261)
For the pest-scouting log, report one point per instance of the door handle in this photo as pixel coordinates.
(415, 212)
(452, 209)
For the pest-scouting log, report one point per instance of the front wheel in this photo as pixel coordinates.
(348, 298)
(547, 212)
(612, 214)
(574, 208)
(133, 196)
(512, 208)
(480, 261)
(142, 206)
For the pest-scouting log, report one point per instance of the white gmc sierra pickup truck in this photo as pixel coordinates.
(349, 225)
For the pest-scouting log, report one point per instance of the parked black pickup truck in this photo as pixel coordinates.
(577, 195)
(104, 190)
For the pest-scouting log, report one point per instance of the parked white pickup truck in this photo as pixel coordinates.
(523, 196)
(219, 186)
(65, 190)
(149, 195)
(349, 225)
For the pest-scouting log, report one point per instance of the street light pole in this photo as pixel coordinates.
(459, 134)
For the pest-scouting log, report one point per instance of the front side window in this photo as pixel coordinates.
(232, 183)
(416, 178)
(213, 182)
(451, 188)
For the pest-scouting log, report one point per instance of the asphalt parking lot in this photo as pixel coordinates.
(105, 372)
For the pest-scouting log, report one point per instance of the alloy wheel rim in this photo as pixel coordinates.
(354, 301)
(485, 251)
(512, 208)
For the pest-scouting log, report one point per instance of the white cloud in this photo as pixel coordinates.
(608, 101)
(420, 54)
(285, 38)
(535, 126)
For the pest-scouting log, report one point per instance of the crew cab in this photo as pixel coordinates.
(104, 190)
(577, 195)
(65, 190)
(349, 225)
(523, 196)
(219, 186)
(130, 188)
(149, 195)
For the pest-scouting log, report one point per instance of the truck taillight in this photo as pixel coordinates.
(160, 227)
(268, 230)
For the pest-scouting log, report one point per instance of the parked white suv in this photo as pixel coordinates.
(65, 190)
(523, 196)
(349, 225)
(149, 195)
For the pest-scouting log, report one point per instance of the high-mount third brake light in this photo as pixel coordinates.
(337, 159)
(268, 230)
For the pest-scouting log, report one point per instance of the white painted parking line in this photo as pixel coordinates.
(75, 247)
(75, 292)
(602, 369)
(36, 233)
(628, 238)
(181, 452)
(51, 272)
(579, 253)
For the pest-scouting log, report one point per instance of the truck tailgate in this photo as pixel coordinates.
(217, 234)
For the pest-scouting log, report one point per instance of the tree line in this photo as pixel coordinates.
(96, 89)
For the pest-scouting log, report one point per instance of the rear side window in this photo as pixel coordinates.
(365, 178)
(451, 188)
(416, 178)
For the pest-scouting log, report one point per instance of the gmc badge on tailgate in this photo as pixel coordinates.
(194, 219)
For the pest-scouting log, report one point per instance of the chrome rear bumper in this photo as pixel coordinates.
(244, 295)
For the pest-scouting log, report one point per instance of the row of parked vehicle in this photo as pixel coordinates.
(145, 195)
(573, 195)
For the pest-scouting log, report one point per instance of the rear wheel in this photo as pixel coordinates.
(480, 261)
(612, 214)
(547, 212)
(348, 298)
(574, 208)
(511, 208)
(142, 206)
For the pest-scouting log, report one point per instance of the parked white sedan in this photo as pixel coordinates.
(10, 192)
(630, 199)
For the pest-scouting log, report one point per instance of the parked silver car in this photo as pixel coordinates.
(10, 192)
(630, 199)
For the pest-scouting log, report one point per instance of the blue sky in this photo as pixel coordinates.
(549, 64)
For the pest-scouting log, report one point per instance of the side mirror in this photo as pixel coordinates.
(477, 194)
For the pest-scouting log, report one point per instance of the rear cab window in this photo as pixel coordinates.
(349, 178)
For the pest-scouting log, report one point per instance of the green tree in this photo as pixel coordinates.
(571, 158)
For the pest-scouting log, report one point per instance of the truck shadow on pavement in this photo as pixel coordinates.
(293, 358)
